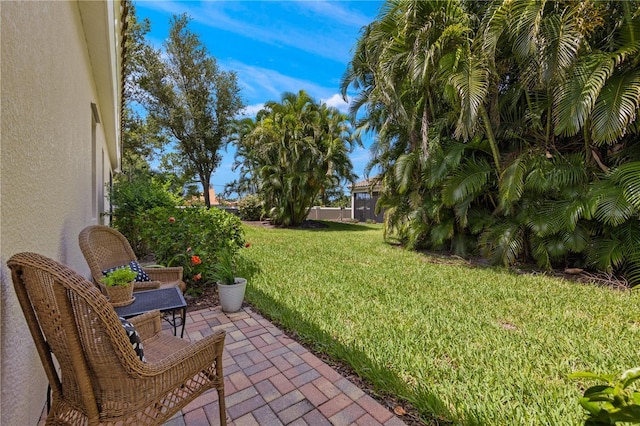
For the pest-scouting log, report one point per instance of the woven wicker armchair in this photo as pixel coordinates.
(100, 379)
(104, 247)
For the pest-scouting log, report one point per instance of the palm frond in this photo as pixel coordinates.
(415, 232)
(607, 253)
(577, 240)
(471, 82)
(628, 177)
(539, 251)
(612, 207)
(556, 247)
(546, 219)
(441, 232)
(576, 97)
(503, 242)
(524, 26)
(461, 209)
(494, 26)
(567, 171)
(562, 40)
(536, 180)
(468, 179)
(479, 220)
(444, 162)
(512, 184)
(404, 170)
(631, 242)
(616, 107)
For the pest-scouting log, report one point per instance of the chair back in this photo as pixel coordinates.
(103, 248)
(70, 318)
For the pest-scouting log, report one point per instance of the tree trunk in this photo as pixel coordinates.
(205, 181)
(490, 136)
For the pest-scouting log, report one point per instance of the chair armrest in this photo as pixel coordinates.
(148, 324)
(164, 274)
(146, 285)
(167, 276)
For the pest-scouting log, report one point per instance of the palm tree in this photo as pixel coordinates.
(244, 160)
(296, 150)
(496, 123)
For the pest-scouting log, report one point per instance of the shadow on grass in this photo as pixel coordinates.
(247, 268)
(383, 381)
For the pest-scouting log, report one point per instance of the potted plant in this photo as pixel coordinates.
(119, 285)
(230, 288)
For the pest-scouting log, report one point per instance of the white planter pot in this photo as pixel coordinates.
(231, 296)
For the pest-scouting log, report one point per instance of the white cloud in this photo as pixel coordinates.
(268, 84)
(336, 101)
(251, 110)
(336, 12)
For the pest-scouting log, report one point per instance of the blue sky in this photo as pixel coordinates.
(274, 47)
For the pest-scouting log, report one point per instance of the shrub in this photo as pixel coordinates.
(612, 402)
(191, 237)
(131, 197)
(250, 208)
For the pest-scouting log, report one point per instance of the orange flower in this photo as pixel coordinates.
(172, 219)
(196, 260)
(197, 277)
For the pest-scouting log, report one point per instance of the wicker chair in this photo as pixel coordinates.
(105, 248)
(100, 379)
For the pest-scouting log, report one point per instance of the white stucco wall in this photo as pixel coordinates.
(48, 84)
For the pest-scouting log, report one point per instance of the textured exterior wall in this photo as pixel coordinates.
(47, 192)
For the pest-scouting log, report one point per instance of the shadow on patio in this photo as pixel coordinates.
(271, 379)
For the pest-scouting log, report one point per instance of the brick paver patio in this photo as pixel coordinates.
(271, 379)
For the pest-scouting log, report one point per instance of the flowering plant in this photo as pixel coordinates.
(192, 265)
(189, 237)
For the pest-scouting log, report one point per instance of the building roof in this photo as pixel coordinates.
(212, 197)
(370, 184)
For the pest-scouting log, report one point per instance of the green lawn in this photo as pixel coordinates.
(472, 345)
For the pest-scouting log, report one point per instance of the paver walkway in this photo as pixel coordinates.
(271, 379)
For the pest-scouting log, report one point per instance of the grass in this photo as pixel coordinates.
(472, 346)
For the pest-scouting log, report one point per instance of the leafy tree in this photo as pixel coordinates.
(173, 174)
(133, 195)
(186, 93)
(141, 138)
(295, 150)
(333, 197)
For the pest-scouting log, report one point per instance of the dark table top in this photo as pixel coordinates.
(164, 299)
